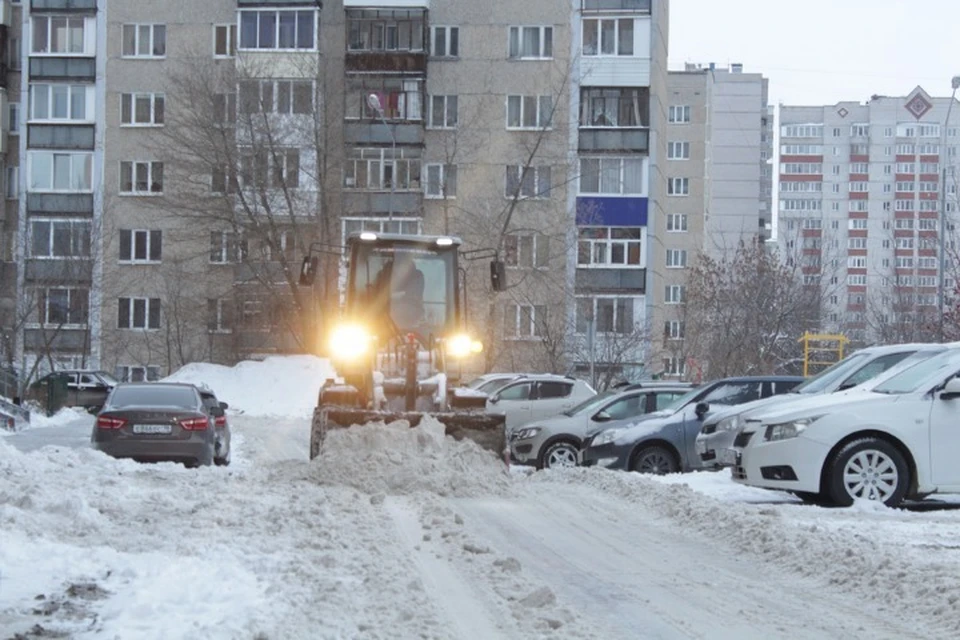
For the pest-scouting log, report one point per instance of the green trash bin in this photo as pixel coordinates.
(56, 392)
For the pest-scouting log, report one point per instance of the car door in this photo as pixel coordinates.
(552, 397)
(513, 401)
(90, 390)
(944, 434)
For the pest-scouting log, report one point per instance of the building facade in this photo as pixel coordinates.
(862, 199)
(178, 163)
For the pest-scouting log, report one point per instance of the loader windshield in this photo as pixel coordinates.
(413, 283)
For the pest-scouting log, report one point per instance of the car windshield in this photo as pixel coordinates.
(154, 396)
(832, 374)
(913, 378)
(590, 403)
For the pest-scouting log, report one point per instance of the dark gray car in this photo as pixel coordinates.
(663, 442)
(222, 430)
(157, 421)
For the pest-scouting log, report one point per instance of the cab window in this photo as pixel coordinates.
(516, 392)
(548, 390)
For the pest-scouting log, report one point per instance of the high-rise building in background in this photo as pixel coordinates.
(861, 197)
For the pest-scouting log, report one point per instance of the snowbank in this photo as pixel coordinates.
(277, 386)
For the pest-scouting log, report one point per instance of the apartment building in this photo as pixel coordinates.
(179, 165)
(719, 183)
(10, 120)
(861, 197)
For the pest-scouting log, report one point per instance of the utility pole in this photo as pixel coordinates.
(942, 234)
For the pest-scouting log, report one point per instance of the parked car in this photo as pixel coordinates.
(664, 442)
(536, 396)
(490, 382)
(719, 430)
(154, 421)
(555, 441)
(898, 441)
(222, 425)
(86, 389)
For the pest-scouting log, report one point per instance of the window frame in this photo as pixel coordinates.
(678, 145)
(137, 26)
(232, 40)
(535, 324)
(378, 225)
(87, 49)
(223, 309)
(537, 172)
(87, 156)
(617, 326)
(89, 102)
(601, 250)
(43, 308)
(446, 111)
(443, 181)
(624, 164)
(276, 30)
(670, 259)
(448, 30)
(526, 250)
(679, 114)
(542, 40)
(79, 235)
(152, 238)
(617, 42)
(522, 111)
(154, 98)
(673, 187)
(134, 165)
(152, 310)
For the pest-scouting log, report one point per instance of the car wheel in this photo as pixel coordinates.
(870, 469)
(656, 460)
(559, 455)
(222, 462)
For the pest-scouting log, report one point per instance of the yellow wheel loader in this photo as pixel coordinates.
(400, 336)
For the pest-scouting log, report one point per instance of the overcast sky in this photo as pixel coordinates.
(824, 51)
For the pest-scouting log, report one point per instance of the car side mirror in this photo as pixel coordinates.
(224, 406)
(494, 399)
(602, 416)
(845, 386)
(701, 409)
(216, 412)
(951, 390)
(308, 271)
(498, 275)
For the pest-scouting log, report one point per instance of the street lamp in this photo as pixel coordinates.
(373, 101)
(942, 283)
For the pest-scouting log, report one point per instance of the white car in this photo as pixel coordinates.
(898, 441)
(537, 396)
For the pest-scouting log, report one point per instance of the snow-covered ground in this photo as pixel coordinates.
(399, 533)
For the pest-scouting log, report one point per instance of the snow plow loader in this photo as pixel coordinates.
(400, 338)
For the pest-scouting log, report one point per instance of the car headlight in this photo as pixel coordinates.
(462, 345)
(732, 423)
(606, 437)
(787, 430)
(349, 342)
(529, 432)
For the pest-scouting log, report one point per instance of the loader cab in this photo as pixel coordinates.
(404, 283)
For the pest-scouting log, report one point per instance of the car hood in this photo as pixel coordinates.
(824, 403)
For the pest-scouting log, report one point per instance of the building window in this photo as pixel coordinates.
(530, 42)
(527, 182)
(678, 150)
(376, 168)
(227, 247)
(858, 223)
(275, 96)
(61, 102)
(60, 35)
(801, 168)
(140, 245)
(529, 112)
(676, 258)
(441, 181)
(614, 107)
(13, 118)
(675, 294)
(57, 238)
(445, 42)
(137, 373)
(63, 306)
(13, 52)
(677, 222)
(12, 184)
(141, 178)
(384, 30)
(277, 30)
(678, 114)
(406, 226)
(144, 41)
(674, 366)
(276, 169)
(523, 320)
(611, 176)
(138, 313)
(804, 131)
(224, 40)
(225, 108)
(673, 330)
(443, 112)
(609, 315)
(219, 315)
(141, 109)
(678, 186)
(526, 250)
(608, 37)
(62, 172)
(610, 247)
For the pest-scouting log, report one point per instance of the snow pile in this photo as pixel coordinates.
(63, 417)
(277, 386)
(396, 459)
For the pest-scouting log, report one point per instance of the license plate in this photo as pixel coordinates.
(729, 457)
(152, 428)
(701, 446)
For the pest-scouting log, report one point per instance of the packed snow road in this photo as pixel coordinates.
(397, 533)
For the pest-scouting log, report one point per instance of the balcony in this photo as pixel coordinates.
(56, 339)
(602, 139)
(386, 41)
(63, 69)
(612, 280)
(60, 203)
(375, 203)
(60, 136)
(62, 272)
(61, 6)
(615, 119)
(406, 133)
(619, 6)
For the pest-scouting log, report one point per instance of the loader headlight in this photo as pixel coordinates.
(462, 345)
(349, 341)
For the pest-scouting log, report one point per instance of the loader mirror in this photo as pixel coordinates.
(308, 271)
(498, 275)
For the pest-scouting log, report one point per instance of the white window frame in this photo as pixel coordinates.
(450, 106)
(677, 223)
(135, 165)
(447, 30)
(516, 36)
(88, 35)
(597, 29)
(532, 331)
(137, 373)
(405, 225)
(446, 186)
(674, 330)
(616, 324)
(674, 294)
(379, 159)
(50, 88)
(231, 39)
(676, 259)
(678, 187)
(78, 235)
(129, 103)
(222, 311)
(232, 247)
(678, 150)
(148, 235)
(604, 163)
(679, 114)
(528, 250)
(544, 111)
(148, 303)
(535, 175)
(599, 251)
(74, 157)
(152, 30)
(43, 308)
(276, 32)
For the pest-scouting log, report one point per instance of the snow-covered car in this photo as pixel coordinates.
(719, 430)
(663, 442)
(899, 441)
(555, 441)
(536, 396)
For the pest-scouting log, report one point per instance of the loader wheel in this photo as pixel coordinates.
(318, 429)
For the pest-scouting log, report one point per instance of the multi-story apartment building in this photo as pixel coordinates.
(860, 210)
(719, 146)
(10, 121)
(179, 165)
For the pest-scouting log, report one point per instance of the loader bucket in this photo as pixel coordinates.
(488, 431)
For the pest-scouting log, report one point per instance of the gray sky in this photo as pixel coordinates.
(824, 51)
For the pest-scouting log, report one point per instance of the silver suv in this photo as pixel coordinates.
(537, 395)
